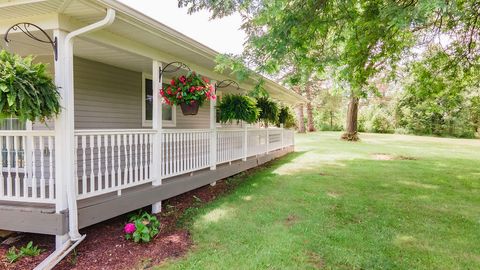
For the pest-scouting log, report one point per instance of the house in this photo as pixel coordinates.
(115, 147)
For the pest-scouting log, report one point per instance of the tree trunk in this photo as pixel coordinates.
(331, 120)
(351, 134)
(310, 125)
(300, 119)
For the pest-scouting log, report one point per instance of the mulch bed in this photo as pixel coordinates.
(106, 248)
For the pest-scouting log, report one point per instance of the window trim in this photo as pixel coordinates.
(148, 123)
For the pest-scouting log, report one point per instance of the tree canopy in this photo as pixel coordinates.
(353, 39)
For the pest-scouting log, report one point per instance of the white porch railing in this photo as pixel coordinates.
(230, 143)
(112, 160)
(27, 163)
(185, 151)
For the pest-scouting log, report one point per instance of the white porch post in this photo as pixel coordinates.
(61, 132)
(157, 126)
(283, 131)
(245, 141)
(268, 141)
(213, 132)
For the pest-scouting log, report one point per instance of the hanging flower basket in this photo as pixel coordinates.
(27, 90)
(190, 108)
(190, 92)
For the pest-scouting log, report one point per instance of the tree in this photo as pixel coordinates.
(356, 38)
(329, 110)
(440, 98)
(309, 94)
(299, 113)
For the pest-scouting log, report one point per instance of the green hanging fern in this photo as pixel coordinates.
(286, 117)
(237, 107)
(27, 90)
(268, 110)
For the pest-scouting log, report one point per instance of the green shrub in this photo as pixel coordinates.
(268, 110)
(235, 107)
(286, 117)
(142, 227)
(381, 123)
(26, 89)
(29, 250)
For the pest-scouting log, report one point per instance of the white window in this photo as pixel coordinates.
(168, 112)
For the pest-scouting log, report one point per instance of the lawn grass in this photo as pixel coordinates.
(338, 205)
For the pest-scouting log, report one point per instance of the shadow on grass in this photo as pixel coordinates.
(237, 181)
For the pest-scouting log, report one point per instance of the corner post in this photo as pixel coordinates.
(213, 131)
(157, 127)
(61, 133)
(245, 141)
(283, 134)
(268, 140)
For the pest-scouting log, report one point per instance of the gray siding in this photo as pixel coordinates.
(106, 97)
(199, 121)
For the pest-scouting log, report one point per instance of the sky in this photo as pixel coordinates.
(223, 35)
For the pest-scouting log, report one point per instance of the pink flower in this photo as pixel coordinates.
(129, 228)
(214, 97)
(172, 82)
(206, 80)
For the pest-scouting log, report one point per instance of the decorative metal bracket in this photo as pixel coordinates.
(226, 83)
(24, 27)
(176, 67)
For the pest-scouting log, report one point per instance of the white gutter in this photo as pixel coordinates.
(71, 190)
(74, 234)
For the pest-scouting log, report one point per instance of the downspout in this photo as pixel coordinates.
(69, 84)
(74, 234)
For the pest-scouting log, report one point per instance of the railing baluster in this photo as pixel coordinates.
(92, 163)
(119, 163)
(99, 162)
(126, 172)
(130, 165)
(50, 161)
(25, 169)
(105, 147)
(141, 157)
(136, 175)
(113, 177)
(84, 164)
(17, 172)
(9, 167)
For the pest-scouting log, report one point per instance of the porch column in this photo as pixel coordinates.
(245, 141)
(283, 131)
(268, 141)
(62, 164)
(213, 132)
(157, 126)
